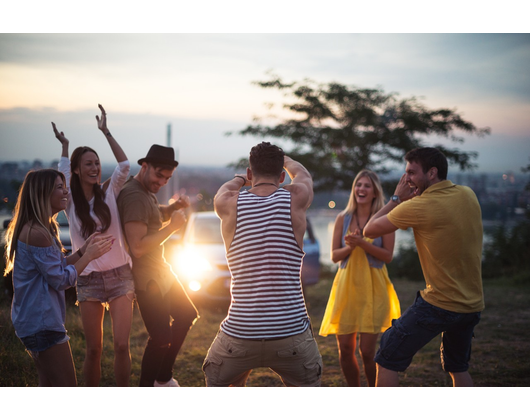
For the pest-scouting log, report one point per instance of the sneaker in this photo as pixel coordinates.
(171, 382)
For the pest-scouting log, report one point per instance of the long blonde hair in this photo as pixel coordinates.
(33, 207)
(379, 199)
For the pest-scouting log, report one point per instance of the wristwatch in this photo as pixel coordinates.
(395, 199)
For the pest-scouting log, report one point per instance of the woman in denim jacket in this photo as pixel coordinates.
(41, 273)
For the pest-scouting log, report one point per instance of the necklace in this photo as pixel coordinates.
(357, 221)
(264, 183)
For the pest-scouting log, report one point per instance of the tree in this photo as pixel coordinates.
(337, 130)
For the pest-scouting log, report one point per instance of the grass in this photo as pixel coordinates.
(499, 357)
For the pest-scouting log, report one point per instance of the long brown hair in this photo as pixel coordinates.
(82, 208)
(34, 207)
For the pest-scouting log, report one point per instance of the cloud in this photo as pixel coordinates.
(201, 83)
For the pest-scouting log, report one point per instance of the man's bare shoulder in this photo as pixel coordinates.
(225, 202)
(301, 194)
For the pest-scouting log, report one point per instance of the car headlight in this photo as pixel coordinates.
(191, 265)
(194, 285)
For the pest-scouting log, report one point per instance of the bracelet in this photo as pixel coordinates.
(244, 180)
(79, 253)
(108, 134)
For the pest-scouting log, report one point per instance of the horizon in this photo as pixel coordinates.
(109, 166)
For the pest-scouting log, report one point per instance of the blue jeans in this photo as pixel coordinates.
(418, 325)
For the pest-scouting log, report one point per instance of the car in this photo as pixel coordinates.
(64, 231)
(198, 258)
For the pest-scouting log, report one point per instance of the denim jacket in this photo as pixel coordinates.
(40, 276)
(374, 262)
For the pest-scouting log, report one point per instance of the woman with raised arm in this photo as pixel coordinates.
(41, 273)
(107, 282)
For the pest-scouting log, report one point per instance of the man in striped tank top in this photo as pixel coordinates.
(263, 228)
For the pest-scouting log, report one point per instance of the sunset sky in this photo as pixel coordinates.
(201, 84)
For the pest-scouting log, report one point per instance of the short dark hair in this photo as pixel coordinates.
(429, 157)
(266, 159)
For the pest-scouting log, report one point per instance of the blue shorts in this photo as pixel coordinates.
(418, 325)
(43, 340)
(104, 286)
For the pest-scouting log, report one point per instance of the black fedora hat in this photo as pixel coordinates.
(160, 154)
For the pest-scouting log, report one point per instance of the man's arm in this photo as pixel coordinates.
(301, 189)
(183, 202)
(379, 224)
(225, 202)
(301, 186)
(227, 193)
(140, 243)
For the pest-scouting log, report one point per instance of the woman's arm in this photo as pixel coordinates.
(64, 141)
(94, 247)
(339, 252)
(118, 152)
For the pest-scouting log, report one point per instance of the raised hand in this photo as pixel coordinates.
(178, 218)
(403, 189)
(182, 202)
(59, 135)
(102, 123)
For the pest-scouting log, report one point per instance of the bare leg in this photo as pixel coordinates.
(121, 315)
(386, 377)
(92, 313)
(56, 366)
(461, 379)
(367, 344)
(348, 361)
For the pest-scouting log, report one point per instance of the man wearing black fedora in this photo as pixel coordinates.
(166, 309)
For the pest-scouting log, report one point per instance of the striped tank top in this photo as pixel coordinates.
(265, 261)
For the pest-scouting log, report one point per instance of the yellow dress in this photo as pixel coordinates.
(362, 299)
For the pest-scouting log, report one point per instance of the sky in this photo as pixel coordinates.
(201, 84)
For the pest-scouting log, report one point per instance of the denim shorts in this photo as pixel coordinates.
(43, 340)
(104, 286)
(418, 325)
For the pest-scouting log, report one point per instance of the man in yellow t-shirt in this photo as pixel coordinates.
(447, 224)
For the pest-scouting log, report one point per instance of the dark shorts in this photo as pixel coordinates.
(418, 325)
(43, 340)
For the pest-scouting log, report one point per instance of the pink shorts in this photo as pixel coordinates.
(104, 286)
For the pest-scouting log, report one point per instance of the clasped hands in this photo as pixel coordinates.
(354, 239)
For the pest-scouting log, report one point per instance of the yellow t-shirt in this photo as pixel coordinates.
(447, 224)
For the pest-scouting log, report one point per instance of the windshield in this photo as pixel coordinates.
(206, 231)
(61, 219)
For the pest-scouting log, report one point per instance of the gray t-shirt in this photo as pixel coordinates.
(136, 204)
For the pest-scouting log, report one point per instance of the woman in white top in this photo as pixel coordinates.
(107, 281)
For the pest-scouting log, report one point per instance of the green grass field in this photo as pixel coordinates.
(499, 357)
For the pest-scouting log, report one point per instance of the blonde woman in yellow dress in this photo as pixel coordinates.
(362, 301)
